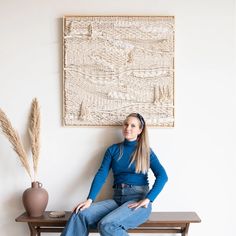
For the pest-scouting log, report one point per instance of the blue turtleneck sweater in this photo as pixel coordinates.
(125, 173)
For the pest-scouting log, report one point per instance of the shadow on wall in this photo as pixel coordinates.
(81, 184)
(85, 179)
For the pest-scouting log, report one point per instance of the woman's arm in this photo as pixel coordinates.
(161, 177)
(97, 183)
(100, 176)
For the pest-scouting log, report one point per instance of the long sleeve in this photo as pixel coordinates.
(100, 176)
(160, 174)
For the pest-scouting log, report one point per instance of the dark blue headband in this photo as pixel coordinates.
(142, 121)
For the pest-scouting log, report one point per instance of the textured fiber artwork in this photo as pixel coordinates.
(115, 65)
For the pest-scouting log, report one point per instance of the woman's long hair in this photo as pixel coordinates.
(141, 155)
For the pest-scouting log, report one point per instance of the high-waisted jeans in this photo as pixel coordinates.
(111, 217)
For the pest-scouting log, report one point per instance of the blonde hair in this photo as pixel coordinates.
(141, 155)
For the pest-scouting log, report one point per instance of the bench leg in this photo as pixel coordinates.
(185, 230)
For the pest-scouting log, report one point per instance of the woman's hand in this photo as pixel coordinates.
(143, 203)
(83, 205)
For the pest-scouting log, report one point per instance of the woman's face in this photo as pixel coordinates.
(131, 128)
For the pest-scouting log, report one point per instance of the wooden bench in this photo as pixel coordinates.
(159, 222)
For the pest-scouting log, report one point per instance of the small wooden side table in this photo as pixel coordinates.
(44, 223)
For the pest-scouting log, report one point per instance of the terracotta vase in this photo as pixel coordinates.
(35, 199)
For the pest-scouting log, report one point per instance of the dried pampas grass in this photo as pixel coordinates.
(15, 140)
(34, 132)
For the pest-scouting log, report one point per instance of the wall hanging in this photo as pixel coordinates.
(115, 65)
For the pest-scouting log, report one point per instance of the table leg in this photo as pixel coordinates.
(185, 230)
(33, 231)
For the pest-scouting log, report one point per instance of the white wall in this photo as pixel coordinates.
(198, 153)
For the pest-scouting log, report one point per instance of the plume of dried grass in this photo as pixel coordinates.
(34, 132)
(15, 140)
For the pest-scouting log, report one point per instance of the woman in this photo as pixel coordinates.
(131, 203)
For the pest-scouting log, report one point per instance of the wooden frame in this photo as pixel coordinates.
(115, 65)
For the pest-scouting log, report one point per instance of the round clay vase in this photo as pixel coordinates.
(35, 200)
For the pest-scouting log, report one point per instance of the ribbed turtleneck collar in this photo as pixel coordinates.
(130, 143)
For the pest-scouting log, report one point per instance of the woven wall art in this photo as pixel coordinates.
(115, 65)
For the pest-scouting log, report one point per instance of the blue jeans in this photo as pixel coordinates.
(111, 217)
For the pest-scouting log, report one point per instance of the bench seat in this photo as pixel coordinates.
(158, 222)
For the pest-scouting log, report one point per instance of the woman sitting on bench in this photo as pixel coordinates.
(131, 205)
